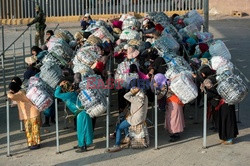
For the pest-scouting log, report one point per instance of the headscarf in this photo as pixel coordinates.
(14, 87)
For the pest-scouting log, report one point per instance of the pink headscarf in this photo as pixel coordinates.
(117, 24)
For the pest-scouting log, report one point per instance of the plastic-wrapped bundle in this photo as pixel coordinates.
(93, 48)
(123, 68)
(189, 30)
(125, 16)
(218, 48)
(158, 17)
(128, 77)
(233, 90)
(51, 74)
(218, 61)
(92, 28)
(181, 62)
(130, 23)
(65, 52)
(224, 75)
(58, 41)
(86, 57)
(103, 34)
(39, 97)
(119, 47)
(53, 57)
(36, 81)
(167, 43)
(129, 34)
(139, 136)
(83, 69)
(227, 67)
(172, 72)
(204, 37)
(170, 29)
(194, 18)
(63, 36)
(184, 88)
(68, 34)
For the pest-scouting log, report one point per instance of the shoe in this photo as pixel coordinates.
(34, 147)
(174, 138)
(75, 147)
(112, 136)
(81, 149)
(228, 142)
(222, 141)
(53, 121)
(46, 123)
(115, 148)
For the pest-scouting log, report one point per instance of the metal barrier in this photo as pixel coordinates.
(56, 8)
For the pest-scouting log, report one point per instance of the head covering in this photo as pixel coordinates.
(67, 86)
(99, 66)
(117, 30)
(205, 69)
(37, 7)
(36, 49)
(117, 24)
(17, 80)
(30, 60)
(159, 27)
(125, 46)
(191, 41)
(160, 79)
(203, 47)
(87, 15)
(14, 87)
(133, 68)
(147, 45)
(145, 21)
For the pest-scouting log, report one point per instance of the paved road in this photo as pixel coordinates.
(188, 151)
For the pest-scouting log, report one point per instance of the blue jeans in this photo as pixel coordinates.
(122, 126)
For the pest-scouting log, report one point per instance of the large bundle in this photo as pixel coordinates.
(167, 43)
(122, 69)
(83, 69)
(51, 74)
(39, 93)
(63, 36)
(189, 30)
(53, 57)
(184, 88)
(233, 90)
(130, 23)
(159, 17)
(93, 48)
(218, 48)
(86, 57)
(218, 61)
(129, 34)
(170, 29)
(92, 99)
(204, 37)
(63, 51)
(139, 136)
(55, 41)
(104, 34)
(193, 17)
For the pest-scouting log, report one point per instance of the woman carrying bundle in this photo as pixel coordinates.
(65, 91)
(28, 113)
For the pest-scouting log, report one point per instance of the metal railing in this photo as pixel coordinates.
(26, 8)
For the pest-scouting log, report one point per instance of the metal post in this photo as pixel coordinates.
(30, 30)
(3, 70)
(196, 108)
(24, 52)
(108, 108)
(14, 58)
(57, 131)
(156, 122)
(21, 126)
(206, 15)
(65, 120)
(3, 40)
(205, 121)
(8, 127)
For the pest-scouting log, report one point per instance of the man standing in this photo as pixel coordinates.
(40, 25)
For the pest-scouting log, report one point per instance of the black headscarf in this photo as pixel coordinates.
(14, 87)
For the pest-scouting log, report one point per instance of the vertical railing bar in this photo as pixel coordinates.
(8, 126)
(14, 58)
(57, 129)
(205, 121)
(156, 122)
(23, 51)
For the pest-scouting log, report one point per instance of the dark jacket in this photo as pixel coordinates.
(40, 20)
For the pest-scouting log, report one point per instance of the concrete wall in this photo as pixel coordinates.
(227, 6)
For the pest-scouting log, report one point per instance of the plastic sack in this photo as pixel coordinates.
(139, 136)
(130, 23)
(39, 97)
(184, 88)
(218, 61)
(86, 57)
(53, 57)
(83, 69)
(51, 73)
(193, 17)
(167, 43)
(233, 90)
(103, 34)
(204, 37)
(218, 48)
(129, 34)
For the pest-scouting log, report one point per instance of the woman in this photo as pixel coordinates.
(31, 70)
(174, 119)
(137, 114)
(224, 116)
(65, 91)
(28, 113)
(86, 21)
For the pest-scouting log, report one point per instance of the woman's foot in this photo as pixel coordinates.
(81, 149)
(115, 148)
(228, 142)
(34, 147)
(112, 136)
(126, 140)
(174, 137)
(75, 147)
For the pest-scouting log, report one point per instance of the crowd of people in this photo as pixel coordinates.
(169, 57)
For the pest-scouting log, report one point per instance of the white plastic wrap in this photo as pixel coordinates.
(53, 57)
(194, 18)
(86, 57)
(130, 23)
(232, 89)
(184, 88)
(204, 37)
(167, 43)
(129, 34)
(218, 48)
(218, 62)
(103, 34)
(51, 73)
